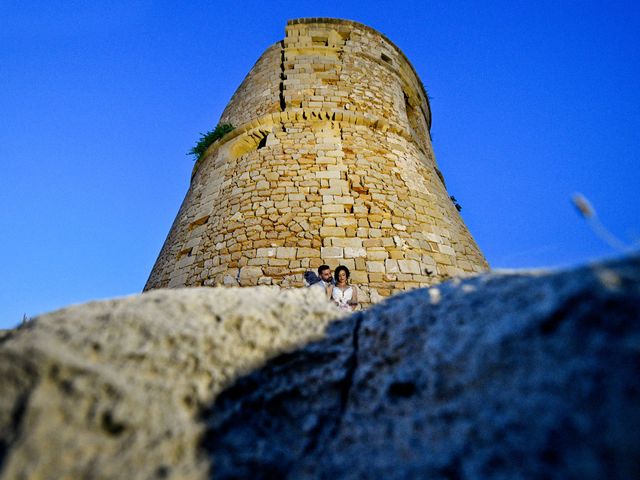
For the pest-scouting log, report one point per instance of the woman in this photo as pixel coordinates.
(343, 294)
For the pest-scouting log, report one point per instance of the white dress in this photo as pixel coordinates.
(342, 297)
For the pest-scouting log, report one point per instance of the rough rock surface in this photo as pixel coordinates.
(501, 376)
(114, 389)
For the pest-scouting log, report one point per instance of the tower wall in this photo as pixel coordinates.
(330, 162)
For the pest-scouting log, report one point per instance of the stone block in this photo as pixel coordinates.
(446, 249)
(249, 275)
(344, 199)
(332, 208)
(391, 266)
(354, 252)
(375, 267)
(286, 252)
(275, 271)
(304, 252)
(258, 261)
(377, 254)
(331, 252)
(346, 222)
(266, 252)
(328, 174)
(358, 276)
(346, 242)
(371, 242)
(278, 262)
(332, 232)
(409, 266)
(341, 185)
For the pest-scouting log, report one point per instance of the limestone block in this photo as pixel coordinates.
(346, 242)
(353, 252)
(229, 280)
(360, 210)
(275, 271)
(446, 249)
(328, 174)
(278, 262)
(372, 242)
(332, 209)
(286, 252)
(391, 266)
(360, 277)
(307, 252)
(346, 222)
(332, 231)
(262, 185)
(266, 252)
(442, 259)
(185, 261)
(331, 191)
(331, 252)
(409, 266)
(249, 275)
(341, 185)
(375, 296)
(375, 267)
(344, 199)
(377, 254)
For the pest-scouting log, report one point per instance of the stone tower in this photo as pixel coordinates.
(330, 162)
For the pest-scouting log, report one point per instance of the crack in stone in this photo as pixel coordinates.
(345, 385)
(283, 103)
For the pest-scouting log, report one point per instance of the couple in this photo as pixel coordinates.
(338, 289)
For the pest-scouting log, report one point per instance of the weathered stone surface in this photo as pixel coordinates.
(114, 389)
(500, 376)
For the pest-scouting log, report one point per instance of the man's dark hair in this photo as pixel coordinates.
(322, 268)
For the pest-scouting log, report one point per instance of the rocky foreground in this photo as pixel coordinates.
(523, 375)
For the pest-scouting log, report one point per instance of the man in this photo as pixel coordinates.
(322, 279)
(324, 272)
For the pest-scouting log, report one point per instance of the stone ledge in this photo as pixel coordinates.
(252, 129)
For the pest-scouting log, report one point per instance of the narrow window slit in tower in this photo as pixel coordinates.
(385, 58)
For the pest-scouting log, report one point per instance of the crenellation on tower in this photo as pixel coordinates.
(330, 162)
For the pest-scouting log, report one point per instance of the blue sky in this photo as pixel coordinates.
(100, 101)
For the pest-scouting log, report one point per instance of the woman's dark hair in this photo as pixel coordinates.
(339, 269)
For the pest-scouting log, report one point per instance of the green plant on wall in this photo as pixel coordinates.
(208, 138)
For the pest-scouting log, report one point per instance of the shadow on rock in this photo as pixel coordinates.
(503, 375)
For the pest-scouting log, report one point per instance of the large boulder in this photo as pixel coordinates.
(500, 376)
(513, 375)
(114, 389)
